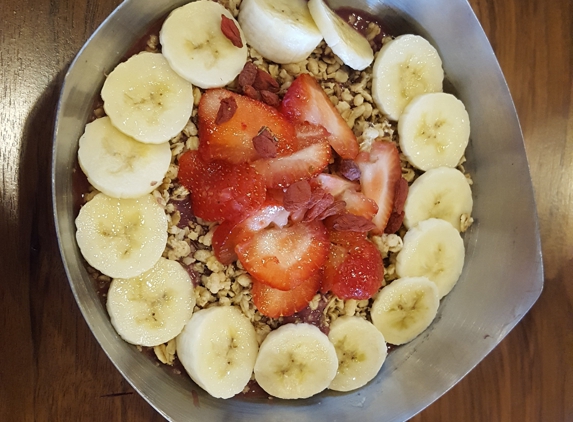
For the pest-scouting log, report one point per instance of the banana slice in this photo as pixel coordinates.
(117, 164)
(443, 193)
(347, 43)
(434, 249)
(122, 238)
(405, 68)
(434, 131)
(152, 308)
(361, 351)
(296, 361)
(146, 99)
(196, 48)
(280, 30)
(218, 348)
(405, 308)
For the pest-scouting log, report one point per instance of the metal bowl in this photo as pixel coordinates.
(502, 276)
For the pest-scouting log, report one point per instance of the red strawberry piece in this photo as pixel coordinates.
(344, 190)
(275, 303)
(394, 222)
(381, 171)
(305, 100)
(220, 190)
(225, 238)
(228, 234)
(286, 170)
(354, 269)
(283, 258)
(233, 140)
(400, 195)
(308, 134)
(397, 216)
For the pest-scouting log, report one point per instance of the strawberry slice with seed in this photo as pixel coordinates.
(354, 269)
(283, 171)
(232, 140)
(283, 258)
(275, 303)
(306, 101)
(344, 190)
(308, 134)
(380, 171)
(221, 190)
(228, 234)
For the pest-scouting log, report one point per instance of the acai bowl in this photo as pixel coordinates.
(396, 372)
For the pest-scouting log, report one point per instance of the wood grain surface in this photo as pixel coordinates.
(51, 367)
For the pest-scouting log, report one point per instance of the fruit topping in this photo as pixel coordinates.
(381, 170)
(282, 31)
(306, 101)
(265, 144)
(343, 190)
(283, 171)
(275, 303)
(228, 234)
(308, 134)
(221, 190)
(354, 269)
(283, 258)
(397, 215)
(345, 41)
(197, 49)
(232, 140)
(231, 31)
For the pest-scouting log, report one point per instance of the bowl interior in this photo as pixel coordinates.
(502, 276)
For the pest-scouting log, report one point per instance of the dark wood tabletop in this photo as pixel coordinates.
(52, 368)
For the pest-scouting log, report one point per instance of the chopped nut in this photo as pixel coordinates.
(202, 255)
(244, 280)
(214, 265)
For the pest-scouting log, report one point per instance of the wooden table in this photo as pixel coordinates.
(51, 367)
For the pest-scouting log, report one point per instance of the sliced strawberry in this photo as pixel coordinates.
(285, 257)
(400, 195)
(308, 134)
(220, 190)
(305, 100)
(286, 170)
(224, 241)
(397, 216)
(354, 269)
(232, 140)
(275, 303)
(229, 234)
(344, 190)
(380, 171)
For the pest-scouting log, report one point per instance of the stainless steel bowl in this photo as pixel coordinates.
(502, 277)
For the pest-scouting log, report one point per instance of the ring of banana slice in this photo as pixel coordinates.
(122, 231)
